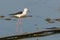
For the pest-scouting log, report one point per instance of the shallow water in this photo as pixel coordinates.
(40, 10)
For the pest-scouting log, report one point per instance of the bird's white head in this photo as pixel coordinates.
(25, 9)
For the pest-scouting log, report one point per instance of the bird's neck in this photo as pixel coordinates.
(25, 11)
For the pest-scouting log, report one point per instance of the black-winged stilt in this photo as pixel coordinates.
(20, 15)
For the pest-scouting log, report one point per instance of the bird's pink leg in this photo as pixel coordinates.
(17, 26)
(20, 25)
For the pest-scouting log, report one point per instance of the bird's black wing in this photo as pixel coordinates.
(16, 13)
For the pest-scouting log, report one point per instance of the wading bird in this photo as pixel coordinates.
(20, 15)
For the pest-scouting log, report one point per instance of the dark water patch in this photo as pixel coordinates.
(2, 16)
(7, 19)
(49, 20)
(58, 19)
